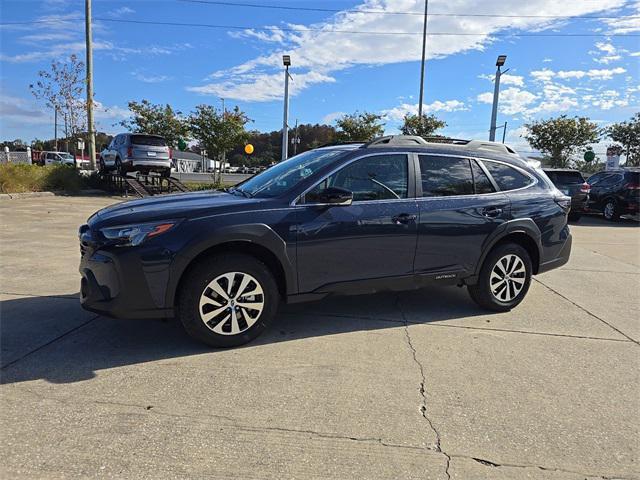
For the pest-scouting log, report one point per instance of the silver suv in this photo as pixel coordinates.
(130, 152)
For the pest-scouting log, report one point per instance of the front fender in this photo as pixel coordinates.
(256, 233)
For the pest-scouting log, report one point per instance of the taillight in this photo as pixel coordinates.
(585, 188)
(130, 152)
(632, 186)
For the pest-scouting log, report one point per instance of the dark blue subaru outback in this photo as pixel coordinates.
(393, 214)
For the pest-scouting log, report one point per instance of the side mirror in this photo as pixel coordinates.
(335, 196)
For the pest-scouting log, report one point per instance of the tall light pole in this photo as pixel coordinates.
(90, 126)
(496, 93)
(286, 60)
(424, 52)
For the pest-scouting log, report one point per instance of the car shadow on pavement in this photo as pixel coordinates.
(93, 343)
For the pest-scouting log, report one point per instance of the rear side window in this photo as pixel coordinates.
(445, 176)
(148, 140)
(506, 177)
(480, 179)
(564, 178)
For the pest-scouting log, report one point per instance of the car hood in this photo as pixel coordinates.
(175, 206)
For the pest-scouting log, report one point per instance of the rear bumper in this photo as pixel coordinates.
(148, 163)
(560, 259)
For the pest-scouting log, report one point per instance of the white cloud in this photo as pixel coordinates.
(119, 12)
(150, 78)
(606, 100)
(513, 100)
(606, 53)
(626, 23)
(506, 79)
(634, 54)
(398, 113)
(329, 49)
(547, 75)
(332, 117)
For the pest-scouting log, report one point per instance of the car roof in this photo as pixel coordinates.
(572, 170)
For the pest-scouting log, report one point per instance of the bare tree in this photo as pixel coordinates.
(62, 88)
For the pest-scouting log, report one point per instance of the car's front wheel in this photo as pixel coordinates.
(504, 278)
(228, 300)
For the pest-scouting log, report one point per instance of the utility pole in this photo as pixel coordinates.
(55, 126)
(424, 52)
(224, 153)
(296, 140)
(496, 94)
(91, 131)
(286, 60)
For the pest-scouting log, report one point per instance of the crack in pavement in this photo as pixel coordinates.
(146, 409)
(423, 392)
(587, 311)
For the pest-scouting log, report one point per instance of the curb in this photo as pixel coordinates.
(17, 196)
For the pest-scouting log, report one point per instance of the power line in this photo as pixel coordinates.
(322, 30)
(385, 12)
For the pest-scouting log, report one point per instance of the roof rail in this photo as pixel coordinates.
(491, 146)
(449, 140)
(390, 140)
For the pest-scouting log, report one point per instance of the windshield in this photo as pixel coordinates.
(285, 175)
(66, 156)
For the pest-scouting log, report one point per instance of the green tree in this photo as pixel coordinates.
(559, 138)
(359, 127)
(425, 127)
(627, 134)
(218, 132)
(62, 88)
(156, 120)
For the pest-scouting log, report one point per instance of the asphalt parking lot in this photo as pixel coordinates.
(417, 385)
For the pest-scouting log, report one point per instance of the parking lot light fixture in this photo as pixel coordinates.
(496, 92)
(286, 60)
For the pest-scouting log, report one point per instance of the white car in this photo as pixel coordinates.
(58, 158)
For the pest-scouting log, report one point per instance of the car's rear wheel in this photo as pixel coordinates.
(611, 211)
(120, 168)
(228, 301)
(504, 278)
(166, 173)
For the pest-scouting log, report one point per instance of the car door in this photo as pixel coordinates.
(373, 237)
(601, 189)
(459, 209)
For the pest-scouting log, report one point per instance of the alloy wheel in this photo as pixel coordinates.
(609, 210)
(507, 278)
(231, 303)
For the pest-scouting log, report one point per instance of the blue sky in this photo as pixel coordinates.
(334, 72)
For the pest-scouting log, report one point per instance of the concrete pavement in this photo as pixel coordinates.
(417, 385)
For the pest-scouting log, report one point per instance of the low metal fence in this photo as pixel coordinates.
(15, 157)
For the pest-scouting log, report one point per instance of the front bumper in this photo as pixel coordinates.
(125, 284)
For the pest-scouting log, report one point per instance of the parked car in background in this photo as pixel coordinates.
(615, 193)
(571, 183)
(130, 152)
(58, 158)
(396, 213)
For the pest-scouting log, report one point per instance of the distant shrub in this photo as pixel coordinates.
(20, 178)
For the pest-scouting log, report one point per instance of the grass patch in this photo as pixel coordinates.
(20, 178)
(197, 187)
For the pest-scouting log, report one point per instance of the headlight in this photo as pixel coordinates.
(133, 235)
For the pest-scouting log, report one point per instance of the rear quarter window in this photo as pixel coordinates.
(506, 177)
(148, 140)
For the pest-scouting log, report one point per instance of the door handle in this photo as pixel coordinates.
(403, 218)
(492, 212)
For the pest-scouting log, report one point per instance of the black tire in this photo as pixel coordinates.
(120, 168)
(574, 217)
(196, 285)
(166, 173)
(102, 169)
(611, 211)
(482, 294)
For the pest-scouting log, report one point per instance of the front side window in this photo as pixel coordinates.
(445, 176)
(507, 178)
(378, 177)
